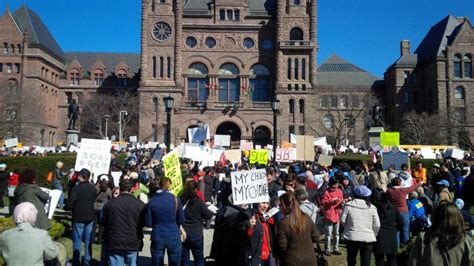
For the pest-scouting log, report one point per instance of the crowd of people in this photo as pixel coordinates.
(373, 211)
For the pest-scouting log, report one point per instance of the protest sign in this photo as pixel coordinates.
(390, 138)
(116, 177)
(94, 155)
(198, 134)
(285, 155)
(246, 146)
(454, 153)
(234, 156)
(258, 157)
(249, 187)
(293, 138)
(325, 160)
(394, 159)
(222, 140)
(133, 139)
(50, 205)
(428, 153)
(11, 142)
(320, 141)
(304, 148)
(215, 155)
(173, 172)
(286, 145)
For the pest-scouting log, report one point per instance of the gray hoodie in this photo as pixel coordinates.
(361, 222)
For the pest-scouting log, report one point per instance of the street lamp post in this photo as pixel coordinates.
(168, 100)
(106, 125)
(120, 124)
(252, 126)
(275, 109)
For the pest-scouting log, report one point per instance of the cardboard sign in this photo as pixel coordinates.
(234, 156)
(395, 159)
(258, 157)
(249, 187)
(222, 140)
(390, 138)
(173, 172)
(285, 155)
(50, 206)
(325, 159)
(305, 148)
(11, 142)
(94, 155)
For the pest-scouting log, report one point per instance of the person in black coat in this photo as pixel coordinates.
(390, 219)
(4, 175)
(195, 212)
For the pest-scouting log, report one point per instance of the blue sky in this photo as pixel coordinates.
(365, 32)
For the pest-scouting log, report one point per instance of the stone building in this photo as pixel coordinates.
(436, 78)
(222, 61)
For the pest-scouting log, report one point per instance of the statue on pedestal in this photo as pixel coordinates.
(73, 114)
(376, 113)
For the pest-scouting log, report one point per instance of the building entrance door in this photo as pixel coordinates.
(262, 136)
(229, 128)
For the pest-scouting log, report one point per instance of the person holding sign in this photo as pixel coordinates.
(296, 234)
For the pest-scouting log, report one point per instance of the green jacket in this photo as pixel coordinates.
(32, 193)
(26, 245)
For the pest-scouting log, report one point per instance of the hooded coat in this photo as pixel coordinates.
(390, 220)
(32, 193)
(361, 222)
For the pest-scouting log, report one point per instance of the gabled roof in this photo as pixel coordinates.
(436, 39)
(27, 20)
(336, 71)
(203, 7)
(197, 7)
(110, 60)
(262, 7)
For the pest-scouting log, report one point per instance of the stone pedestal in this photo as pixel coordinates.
(374, 135)
(72, 136)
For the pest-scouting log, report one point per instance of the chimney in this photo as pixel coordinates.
(404, 47)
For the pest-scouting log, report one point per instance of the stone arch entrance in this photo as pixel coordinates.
(262, 136)
(229, 128)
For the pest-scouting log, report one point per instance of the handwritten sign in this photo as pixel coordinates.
(249, 186)
(390, 138)
(222, 140)
(285, 155)
(11, 142)
(173, 171)
(258, 157)
(94, 155)
(286, 145)
(234, 156)
(325, 159)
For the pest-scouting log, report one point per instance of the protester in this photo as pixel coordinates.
(25, 244)
(418, 219)
(446, 242)
(306, 206)
(13, 182)
(57, 176)
(405, 176)
(104, 194)
(165, 215)
(123, 222)
(361, 226)
(390, 220)
(296, 234)
(29, 191)
(443, 192)
(262, 231)
(4, 175)
(378, 178)
(332, 207)
(81, 203)
(195, 213)
(419, 173)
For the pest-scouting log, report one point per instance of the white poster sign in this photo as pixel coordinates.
(234, 156)
(11, 142)
(94, 155)
(222, 140)
(116, 177)
(50, 206)
(249, 186)
(286, 155)
(215, 154)
(133, 139)
(428, 153)
(320, 141)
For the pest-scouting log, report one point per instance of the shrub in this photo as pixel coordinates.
(57, 228)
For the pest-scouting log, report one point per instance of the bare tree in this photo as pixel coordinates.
(421, 128)
(96, 105)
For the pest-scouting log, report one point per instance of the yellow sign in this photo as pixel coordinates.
(286, 145)
(259, 157)
(390, 138)
(173, 171)
(19, 145)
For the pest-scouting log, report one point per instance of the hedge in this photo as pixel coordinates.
(355, 159)
(57, 228)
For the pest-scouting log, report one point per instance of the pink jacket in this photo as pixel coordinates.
(332, 209)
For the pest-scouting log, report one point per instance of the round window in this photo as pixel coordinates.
(210, 42)
(191, 42)
(248, 43)
(161, 31)
(267, 44)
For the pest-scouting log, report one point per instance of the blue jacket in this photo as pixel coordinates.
(163, 216)
(416, 209)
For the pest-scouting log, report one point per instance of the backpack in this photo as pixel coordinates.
(143, 176)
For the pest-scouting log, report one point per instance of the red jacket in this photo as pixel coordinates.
(14, 179)
(332, 209)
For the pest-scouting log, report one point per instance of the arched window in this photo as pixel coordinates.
(459, 93)
(328, 121)
(296, 34)
(74, 76)
(122, 78)
(198, 82)
(98, 77)
(229, 84)
(5, 48)
(467, 66)
(153, 62)
(301, 106)
(260, 83)
(457, 66)
(291, 106)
